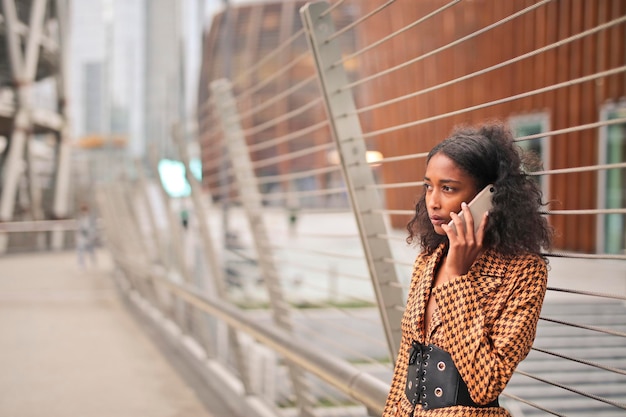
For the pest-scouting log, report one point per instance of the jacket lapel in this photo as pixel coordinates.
(424, 289)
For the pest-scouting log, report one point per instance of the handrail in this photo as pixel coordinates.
(362, 386)
(38, 226)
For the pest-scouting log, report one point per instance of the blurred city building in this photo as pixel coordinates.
(86, 87)
(133, 64)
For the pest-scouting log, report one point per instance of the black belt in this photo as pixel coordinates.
(434, 382)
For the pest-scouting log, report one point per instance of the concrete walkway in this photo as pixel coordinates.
(68, 346)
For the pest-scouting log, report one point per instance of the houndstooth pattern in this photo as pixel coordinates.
(485, 319)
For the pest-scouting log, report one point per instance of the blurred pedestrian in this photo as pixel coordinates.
(184, 218)
(293, 208)
(85, 236)
(293, 221)
(475, 294)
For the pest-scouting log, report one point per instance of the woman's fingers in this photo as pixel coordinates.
(469, 222)
(480, 233)
(454, 226)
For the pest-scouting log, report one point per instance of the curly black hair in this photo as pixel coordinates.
(489, 154)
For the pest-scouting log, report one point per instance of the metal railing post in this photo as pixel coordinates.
(173, 243)
(23, 62)
(366, 202)
(154, 249)
(64, 150)
(252, 204)
(201, 208)
(122, 231)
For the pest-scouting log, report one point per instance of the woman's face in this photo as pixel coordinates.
(446, 187)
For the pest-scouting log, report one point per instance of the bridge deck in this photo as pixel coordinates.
(70, 348)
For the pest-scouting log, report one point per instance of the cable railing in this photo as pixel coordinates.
(277, 98)
(309, 234)
(569, 83)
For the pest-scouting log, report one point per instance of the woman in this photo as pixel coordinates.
(475, 296)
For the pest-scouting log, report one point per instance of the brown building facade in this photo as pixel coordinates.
(530, 93)
(544, 67)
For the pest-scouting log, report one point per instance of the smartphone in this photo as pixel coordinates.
(478, 206)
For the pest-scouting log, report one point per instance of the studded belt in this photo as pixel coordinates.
(433, 381)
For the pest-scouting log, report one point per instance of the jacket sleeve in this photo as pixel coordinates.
(488, 338)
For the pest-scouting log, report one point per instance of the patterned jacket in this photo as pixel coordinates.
(485, 319)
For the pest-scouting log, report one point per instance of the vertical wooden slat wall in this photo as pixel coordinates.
(566, 107)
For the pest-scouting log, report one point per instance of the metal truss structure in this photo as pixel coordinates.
(33, 48)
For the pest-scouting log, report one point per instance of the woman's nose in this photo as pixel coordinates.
(432, 200)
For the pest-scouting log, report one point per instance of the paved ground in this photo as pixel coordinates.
(68, 347)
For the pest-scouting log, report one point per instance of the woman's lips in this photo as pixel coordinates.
(437, 221)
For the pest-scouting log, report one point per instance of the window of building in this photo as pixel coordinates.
(530, 125)
(612, 192)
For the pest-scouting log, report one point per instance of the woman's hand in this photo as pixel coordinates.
(465, 245)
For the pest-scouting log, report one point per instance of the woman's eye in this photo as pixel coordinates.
(446, 188)
(427, 186)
